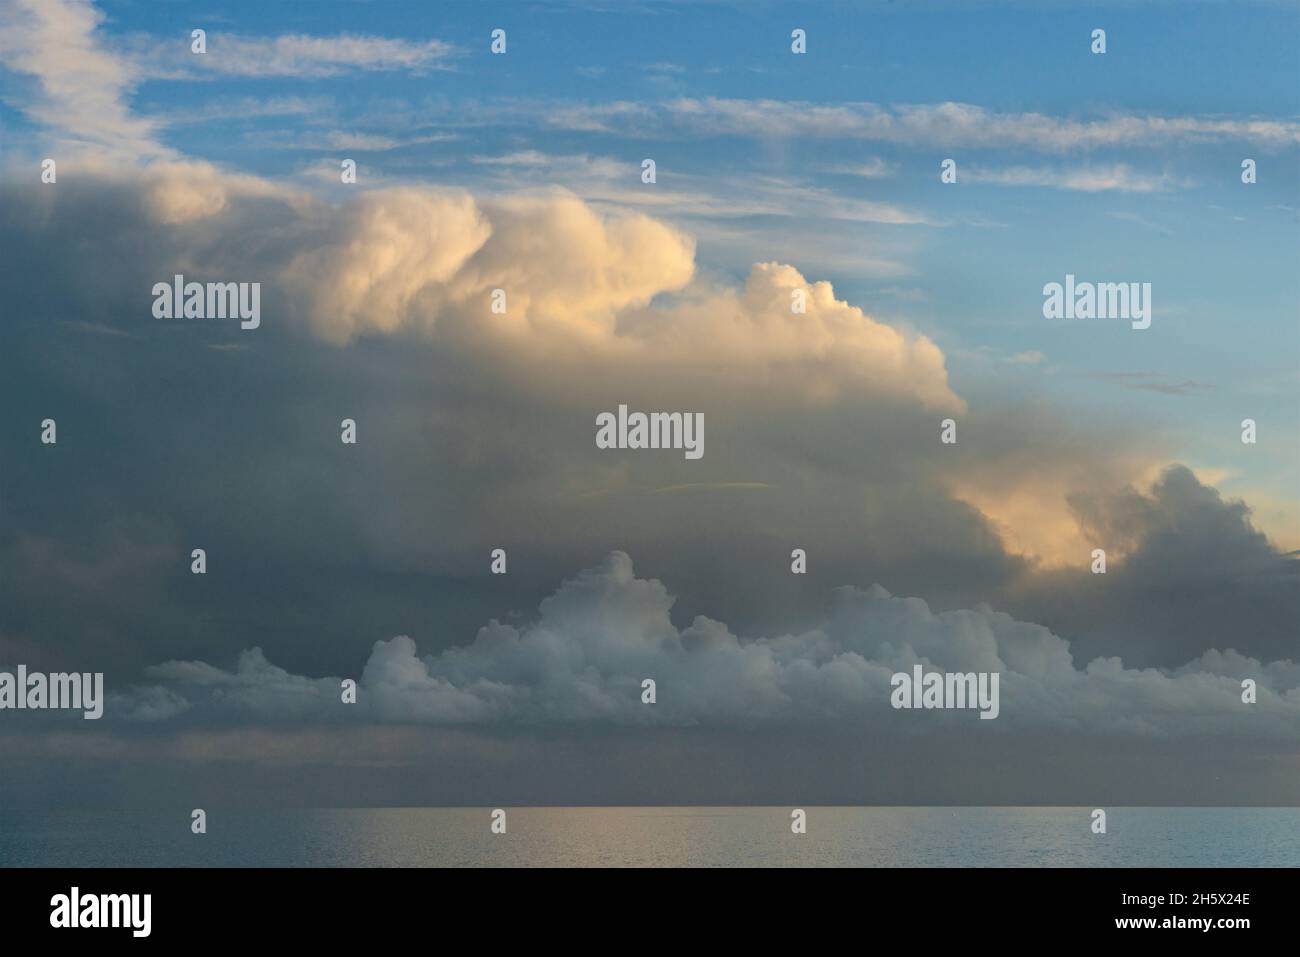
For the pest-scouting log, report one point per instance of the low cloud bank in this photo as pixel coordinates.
(583, 659)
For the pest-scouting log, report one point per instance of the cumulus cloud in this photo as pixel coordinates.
(571, 265)
(583, 659)
(423, 258)
(757, 328)
(405, 257)
(393, 247)
(177, 193)
(1187, 571)
(483, 415)
(606, 308)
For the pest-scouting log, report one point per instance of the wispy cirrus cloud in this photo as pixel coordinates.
(947, 124)
(83, 81)
(289, 55)
(598, 117)
(1153, 382)
(609, 179)
(873, 168)
(356, 140)
(246, 108)
(964, 124)
(1117, 177)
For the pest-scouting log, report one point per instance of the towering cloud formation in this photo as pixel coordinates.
(404, 257)
(577, 286)
(824, 421)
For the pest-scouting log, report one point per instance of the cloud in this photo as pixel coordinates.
(1117, 177)
(797, 198)
(406, 256)
(245, 108)
(338, 140)
(1153, 382)
(1187, 571)
(759, 329)
(1030, 358)
(295, 55)
(81, 91)
(559, 169)
(82, 85)
(596, 118)
(128, 554)
(181, 193)
(688, 196)
(391, 248)
(477, 431)
(832, 413)
(873, 168)
(948, 124)
(583, 659)
(415, 257)
(423, 259)
(822, 425)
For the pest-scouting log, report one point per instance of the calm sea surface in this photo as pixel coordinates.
(650, 836)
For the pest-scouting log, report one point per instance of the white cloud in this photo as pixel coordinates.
(873, 168)
(952, 124)
(83, 85)
(1117, 177)
(419, 258)
(583, 659)
(245, 108)
(183, 192)
(407, 256)
(295, 55)
(596, 118)
(335, 140)
(81, 90)
(1031, 358)
(688, 196)
(588, 290)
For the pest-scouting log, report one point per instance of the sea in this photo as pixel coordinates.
(656, 837)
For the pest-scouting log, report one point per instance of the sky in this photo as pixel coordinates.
(776, 173)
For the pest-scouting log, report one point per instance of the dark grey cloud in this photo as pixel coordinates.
(1193, 574)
